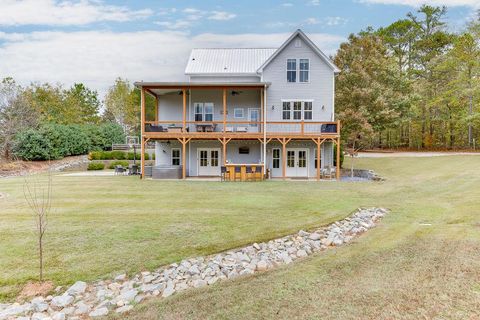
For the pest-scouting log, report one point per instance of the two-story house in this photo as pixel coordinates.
(268, 106)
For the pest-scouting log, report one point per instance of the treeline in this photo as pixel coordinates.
(412, 84)
(45, 121)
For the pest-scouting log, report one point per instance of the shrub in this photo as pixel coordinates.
(122, 163)
(96, 166)
(335, 155)
(32, 145)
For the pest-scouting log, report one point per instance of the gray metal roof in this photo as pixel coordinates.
(226, 61)
(179, 85)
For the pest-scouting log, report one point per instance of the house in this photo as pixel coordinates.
(273, 107)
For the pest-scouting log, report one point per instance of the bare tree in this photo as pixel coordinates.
(15, 114)
(38, 195)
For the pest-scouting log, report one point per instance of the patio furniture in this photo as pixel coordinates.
(328, 172)
(223, 173)
(119, 170)
(175, 129)
(237, 174)
(328, 128)
(206, 127)
(133, 169)
(250, 173)
(242, 129)
(228, 129)
(154, 128)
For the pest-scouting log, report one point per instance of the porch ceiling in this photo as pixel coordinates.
(161, 88)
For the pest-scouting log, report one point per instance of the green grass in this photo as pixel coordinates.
(105, 225)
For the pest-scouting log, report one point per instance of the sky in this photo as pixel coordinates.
(96, 41)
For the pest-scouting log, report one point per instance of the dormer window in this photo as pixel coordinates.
(291, 70)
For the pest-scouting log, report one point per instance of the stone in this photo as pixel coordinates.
(301, 253)
(169, 290)
(193, 270)
(302, 233)
(128, 295)
(39, 316)
(62, 301)
(199, 283)
(77, 288)
(148, 279)
(39, 304)
(121, 277)
(124, 309)
(81, 308)
(256, 246)
(58, 316)
(262, 265)
(99, 312)
(315, 236)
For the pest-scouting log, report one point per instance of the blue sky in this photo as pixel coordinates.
(95, 41)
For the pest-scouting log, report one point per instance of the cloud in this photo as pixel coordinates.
(190, 15)
(335, 21)
(314, 2)
(287, 4)
(56, 12)
(221, 15)
(418, 3)
(96, 58)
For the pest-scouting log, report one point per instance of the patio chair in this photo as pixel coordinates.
(237, 174)
(223, 173)
(119, 170)
(242, 129)
(250, 173)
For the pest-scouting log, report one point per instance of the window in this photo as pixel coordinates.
(304, 70)
(238, 113)
(176, 157)
(297, 110)
(276, 158)
(291, 70)
(198, 111)
(208, 111)
(244, 150)
(307, 110)
(286, 110)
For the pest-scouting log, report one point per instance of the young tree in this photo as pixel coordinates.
(15, 115)
(119, 105)
(38, 195)
(83, 103)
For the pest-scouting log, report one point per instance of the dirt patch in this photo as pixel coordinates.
(33, 289)
(19, 168)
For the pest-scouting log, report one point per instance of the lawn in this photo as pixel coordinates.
(405, 268)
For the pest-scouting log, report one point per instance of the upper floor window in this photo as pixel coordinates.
(286, 110)
(297, 110)
(291, 70)
(307, 110)
(238, 113)
(304, 70)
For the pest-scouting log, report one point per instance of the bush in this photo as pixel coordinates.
(342, 156)
(122, 163)
(96, 166)
(116, 155)
(55, 141)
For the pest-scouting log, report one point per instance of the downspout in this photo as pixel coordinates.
(265, 129)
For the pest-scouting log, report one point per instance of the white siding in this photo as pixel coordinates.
(319, 88)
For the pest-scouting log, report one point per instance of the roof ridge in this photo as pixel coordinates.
(233, 48)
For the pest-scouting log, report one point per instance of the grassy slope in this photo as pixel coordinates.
(399, 270)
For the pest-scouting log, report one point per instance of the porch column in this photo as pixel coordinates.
(338, 151)
(184, 109)
(184, 142)
(156, 109)
(142, 132)
(284, 142)
(264, 129)
(319, 145)
(224, 142)
(224, 108)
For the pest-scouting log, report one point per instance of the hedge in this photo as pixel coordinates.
(96, 166)
(116, 155)
(54, 141)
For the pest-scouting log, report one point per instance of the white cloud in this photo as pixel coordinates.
(335, 21)
(312, 21)
(418, 3)
(287, 4)
(96, 58)
(56, 12)
(221, 15)
(314, 2)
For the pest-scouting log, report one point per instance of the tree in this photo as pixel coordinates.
(84, 104)
(15, 115)
(368, 88)
(38, 195)
(120, 105)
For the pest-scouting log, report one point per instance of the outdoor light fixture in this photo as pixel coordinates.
(323, 107)
(273, 107)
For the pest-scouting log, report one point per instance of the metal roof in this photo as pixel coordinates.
(227, 61)
(179, 85)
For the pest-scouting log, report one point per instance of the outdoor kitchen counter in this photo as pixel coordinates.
(257, 175)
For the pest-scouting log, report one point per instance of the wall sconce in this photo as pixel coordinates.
(273, 107)
(323, 107)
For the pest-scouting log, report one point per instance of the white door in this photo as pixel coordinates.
(254, 116)
(208, 162)
(297, 163)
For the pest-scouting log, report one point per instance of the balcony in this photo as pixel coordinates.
(240, 129)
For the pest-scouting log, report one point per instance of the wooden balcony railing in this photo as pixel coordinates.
(241, 127)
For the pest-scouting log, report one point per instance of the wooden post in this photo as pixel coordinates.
(156, 109)
(224, 142)
(184, 109)
(184, 142)
(142, 133)
(318, 158)
(261, 110)
(302, 126)
(338, 151)
(224, 108)
(284, 142)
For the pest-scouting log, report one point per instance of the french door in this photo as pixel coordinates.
(254, 116)
(208, 162)
(297, 163)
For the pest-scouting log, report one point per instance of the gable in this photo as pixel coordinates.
(299, 36)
